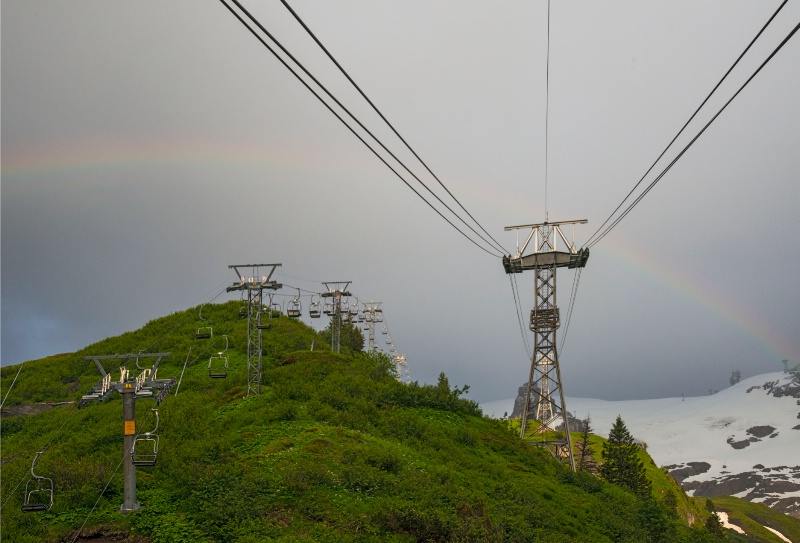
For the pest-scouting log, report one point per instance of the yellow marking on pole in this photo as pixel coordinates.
(130, 427)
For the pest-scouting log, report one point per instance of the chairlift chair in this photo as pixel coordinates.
(204, 330)
(38, 491)
(314, 311)
(294, 309)
(242, 311)
(353, 310)
(145, 447)
(275, 310)
(264, 319)
(218, 366)
(328, 308)
(361, 317)
(379, 315)
(385, 331)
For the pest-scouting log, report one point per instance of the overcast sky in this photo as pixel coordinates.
(148, 145)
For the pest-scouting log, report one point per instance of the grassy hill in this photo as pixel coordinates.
(334, 449)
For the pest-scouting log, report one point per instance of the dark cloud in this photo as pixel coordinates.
(146, 146)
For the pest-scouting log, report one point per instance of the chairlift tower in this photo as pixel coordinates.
(336, 289)
(544, 398)
(143, 385)
(254, 283)
(372, 314)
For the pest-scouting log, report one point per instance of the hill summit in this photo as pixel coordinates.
(333, 449)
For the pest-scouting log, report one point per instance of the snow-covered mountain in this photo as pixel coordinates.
(743, 441)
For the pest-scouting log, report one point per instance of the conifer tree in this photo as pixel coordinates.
(713, 524)
(621, 465)
(586, 460)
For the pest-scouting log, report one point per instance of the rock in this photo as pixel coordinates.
(690, 469)
(760, 431)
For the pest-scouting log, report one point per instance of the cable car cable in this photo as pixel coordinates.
(374, 107)
(589, 241)
(12, 384)
(518, 309)
(282, 61)
(573, 295)
(285, 51)
(669, 166)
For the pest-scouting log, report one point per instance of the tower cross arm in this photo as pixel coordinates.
(545, 252)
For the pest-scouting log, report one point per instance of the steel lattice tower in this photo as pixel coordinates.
(372, 314)
(336, 289)
(544, 398)
(255, 288)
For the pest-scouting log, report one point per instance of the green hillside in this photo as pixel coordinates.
(334, 449)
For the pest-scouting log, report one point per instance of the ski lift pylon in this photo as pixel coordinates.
(38, 491)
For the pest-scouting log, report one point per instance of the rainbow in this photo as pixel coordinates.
(92, 155)
(20, 163)
(705, 295)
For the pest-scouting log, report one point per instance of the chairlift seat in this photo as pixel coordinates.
(42, 488)
(218, 366)
(203, 333)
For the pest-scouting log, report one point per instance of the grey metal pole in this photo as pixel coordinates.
(129, 420)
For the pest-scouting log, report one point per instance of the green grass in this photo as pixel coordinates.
(752, 517)
(334, 449)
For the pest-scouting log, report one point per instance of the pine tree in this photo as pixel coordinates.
(621, 465)
(586, 461)
(713, 524)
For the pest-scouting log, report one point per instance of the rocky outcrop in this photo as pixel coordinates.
(766, 485)
(680, 472)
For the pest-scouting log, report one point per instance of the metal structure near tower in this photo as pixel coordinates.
(259, 315)
(544, 399)
(131, 386)
(372, 314)
(333, 308)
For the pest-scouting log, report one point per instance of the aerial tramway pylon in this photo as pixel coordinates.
(336, 289)
(131, 386)
(256, 311)
(544, 398)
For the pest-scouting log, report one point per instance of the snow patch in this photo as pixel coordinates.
(723, 518)
(776, 532)
(702, 429)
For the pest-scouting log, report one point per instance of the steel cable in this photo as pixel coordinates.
(669, 166)
(285, 64)
(590, 242)
(375, 108)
